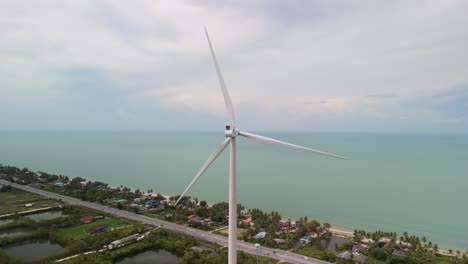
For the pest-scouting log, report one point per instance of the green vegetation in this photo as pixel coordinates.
(4, 258)
(77, 232)
(383, 245)
(68, 231)
(375, 261)
(37, 231)
(177, 244)
(14, 200)
(65, 231)
(316, 253)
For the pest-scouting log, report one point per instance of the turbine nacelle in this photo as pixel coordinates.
(231, 132)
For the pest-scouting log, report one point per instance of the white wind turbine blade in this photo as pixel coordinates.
(207, 164)
(274, 142)
(227, 98)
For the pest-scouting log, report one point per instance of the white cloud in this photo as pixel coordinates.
(339, 55)
(397, 48)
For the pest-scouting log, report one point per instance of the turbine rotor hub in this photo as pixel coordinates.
(229, 132)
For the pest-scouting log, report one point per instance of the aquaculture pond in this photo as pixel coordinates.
(151, 257)
(5, 221)
(45, 215)
(14, 232)
(33, 250)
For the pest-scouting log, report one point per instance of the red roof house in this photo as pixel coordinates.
(97, 228)
(87, 219)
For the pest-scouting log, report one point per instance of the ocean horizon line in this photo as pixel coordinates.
(331, 132)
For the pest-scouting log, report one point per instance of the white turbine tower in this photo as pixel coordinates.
(231, 133)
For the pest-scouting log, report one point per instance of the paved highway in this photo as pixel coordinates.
(221, 240)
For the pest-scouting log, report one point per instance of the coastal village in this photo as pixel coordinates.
(303, 236)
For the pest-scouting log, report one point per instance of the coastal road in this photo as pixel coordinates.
(221, 240)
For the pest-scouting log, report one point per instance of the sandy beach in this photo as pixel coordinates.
(341, 232)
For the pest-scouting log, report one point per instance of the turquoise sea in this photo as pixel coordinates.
(393, 182)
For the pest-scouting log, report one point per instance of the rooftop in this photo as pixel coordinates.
(345, 255)
(279, 240)
(199, 249)
(260, 235)
(96, 228)
(360, 258)
(87, 218)
(125, 239)
(359, 248)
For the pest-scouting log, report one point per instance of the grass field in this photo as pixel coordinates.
(442, 260)
(14, 201)
(225, 231)
(77, 232)
(312, 252)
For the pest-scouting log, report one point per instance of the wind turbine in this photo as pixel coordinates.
(231, 133)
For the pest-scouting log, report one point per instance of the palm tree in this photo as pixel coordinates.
(405, 235)
(313, 225)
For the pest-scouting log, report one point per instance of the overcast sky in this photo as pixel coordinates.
(386, 66)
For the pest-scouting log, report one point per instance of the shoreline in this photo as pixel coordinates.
(335, 230)
(341, 232)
